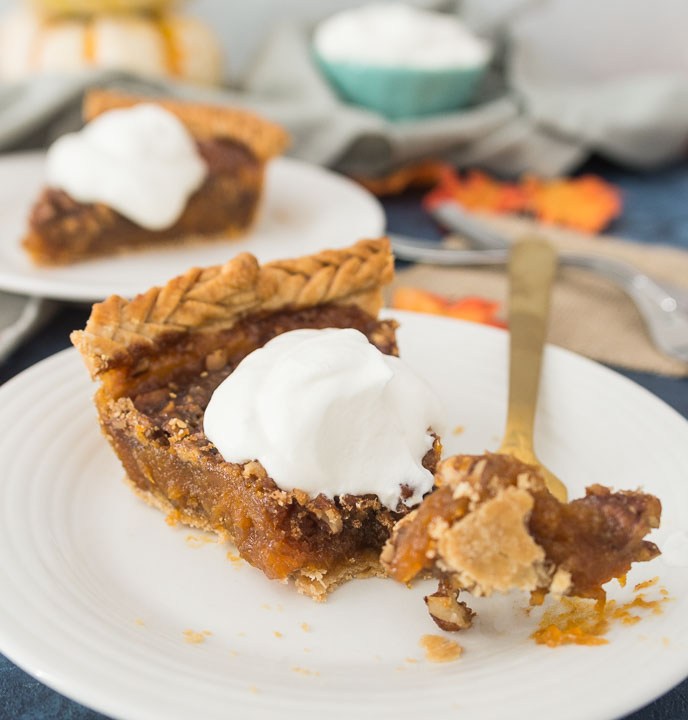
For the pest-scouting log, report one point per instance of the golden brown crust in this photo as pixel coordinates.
(119, 331)
(264, 138)
(491, 550)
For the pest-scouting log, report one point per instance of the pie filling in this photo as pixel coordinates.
(62, 230)
(493, 526)
(156, 427)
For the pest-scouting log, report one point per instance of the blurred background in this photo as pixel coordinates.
(567, 118)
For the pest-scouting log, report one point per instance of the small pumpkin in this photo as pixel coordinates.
(165, 45)
(56, 8)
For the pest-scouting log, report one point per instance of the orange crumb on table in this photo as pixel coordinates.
(622, 580)
(440, 649)
(305, 627)
(277, 633)
(139, 622)
(458, 430)
(234, 558)
(304, 671)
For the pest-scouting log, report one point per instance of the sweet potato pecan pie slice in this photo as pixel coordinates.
(234, 144)
(159, 358)
(491, 525)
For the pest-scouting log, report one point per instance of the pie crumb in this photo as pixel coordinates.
(277, 633)
(304, 671)
(196, 541)
(195, 638)
(581, 621)
(305, 627)
(440, 649)
(458, 430)
(646, 584)
(139, 622)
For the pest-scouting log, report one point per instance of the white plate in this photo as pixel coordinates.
(97, 590)
(305, 209)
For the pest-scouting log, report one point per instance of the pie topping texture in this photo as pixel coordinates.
(233, 145)
(493, 526)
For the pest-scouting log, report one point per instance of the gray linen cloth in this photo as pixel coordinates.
(545, 113)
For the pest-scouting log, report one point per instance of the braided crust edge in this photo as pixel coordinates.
(264, 138)
(215, 298)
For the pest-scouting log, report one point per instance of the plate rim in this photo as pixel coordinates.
(661, 685)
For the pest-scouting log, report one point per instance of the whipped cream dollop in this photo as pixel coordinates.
(324, 411)
(140, 161)
(398, 35)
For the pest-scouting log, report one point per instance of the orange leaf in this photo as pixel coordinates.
(471, 308)
(477, 191)
(408, 298)
(420, 174)
(586, 203)
(475, 309)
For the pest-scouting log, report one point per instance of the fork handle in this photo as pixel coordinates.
(531, 271)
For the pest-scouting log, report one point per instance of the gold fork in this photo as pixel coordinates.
(532, 266)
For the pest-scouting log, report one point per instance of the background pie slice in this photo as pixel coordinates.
(235, 144)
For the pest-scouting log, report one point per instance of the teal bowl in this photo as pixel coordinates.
(401, 93)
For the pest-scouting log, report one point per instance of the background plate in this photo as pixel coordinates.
(305, 209)
(97, 590)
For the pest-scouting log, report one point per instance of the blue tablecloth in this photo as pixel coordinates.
(655, 211)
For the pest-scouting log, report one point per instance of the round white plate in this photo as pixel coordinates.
(305, 209)
(97, 590)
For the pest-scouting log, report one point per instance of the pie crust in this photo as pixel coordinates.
(492, 525)
(157, 358)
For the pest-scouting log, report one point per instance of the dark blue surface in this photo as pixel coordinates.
(656, 211)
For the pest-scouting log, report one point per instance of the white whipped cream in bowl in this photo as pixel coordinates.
(398, 35)
(401, 61)
(140, 161)
(325, 412)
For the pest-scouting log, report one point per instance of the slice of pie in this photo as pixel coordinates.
(493, 526)
(235, 146)
(159, 358)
